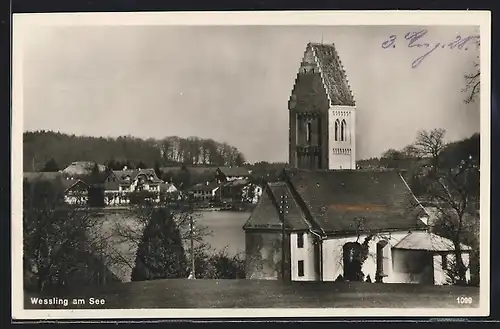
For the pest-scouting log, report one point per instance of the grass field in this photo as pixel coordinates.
(271, 294)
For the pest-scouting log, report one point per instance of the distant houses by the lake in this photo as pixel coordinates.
(206, 186)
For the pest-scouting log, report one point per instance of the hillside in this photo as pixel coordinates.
(39, 147)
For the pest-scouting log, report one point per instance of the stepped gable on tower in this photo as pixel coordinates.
(321, 112)
(333, 74)
(325, 59)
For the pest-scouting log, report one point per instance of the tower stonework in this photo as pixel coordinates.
(321, 113)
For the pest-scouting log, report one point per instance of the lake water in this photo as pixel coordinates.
(227, 229)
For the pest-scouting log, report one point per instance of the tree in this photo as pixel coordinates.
(158, 171)
(95, 175)
(410, 151)
(96, 188)
(430, 144)
(161, 253)
(209, 263)
(451, 186)
(183, 178)
(50, 166)
(392, 158)
(239, 159)
(141, 165)
(59, 247)
(473, 81)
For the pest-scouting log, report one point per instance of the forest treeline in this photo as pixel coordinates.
(42, 146)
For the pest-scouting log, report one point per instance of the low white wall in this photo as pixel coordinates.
(333, 255)
(305, 254)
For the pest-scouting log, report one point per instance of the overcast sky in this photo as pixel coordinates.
(232, 84)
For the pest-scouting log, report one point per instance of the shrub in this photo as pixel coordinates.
(219, 265)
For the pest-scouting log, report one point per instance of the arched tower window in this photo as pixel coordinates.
(343, 131)
(308, 132)
(337, 124)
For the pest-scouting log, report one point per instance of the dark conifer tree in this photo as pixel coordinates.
(160, 254)
(50, 166)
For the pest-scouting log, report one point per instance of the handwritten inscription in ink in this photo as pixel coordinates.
(418, 39)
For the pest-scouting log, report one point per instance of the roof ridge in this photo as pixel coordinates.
(301, 211)
(343, 74)
(321, 74)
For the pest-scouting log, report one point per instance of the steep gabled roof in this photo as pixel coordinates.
(69, 184)
(342, 200)
(204, 187)
(133, 173)
(333, 74)
(266, 213)
(236, 183)
(166, 186)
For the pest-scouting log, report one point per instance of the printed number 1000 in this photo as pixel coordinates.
(464, 300)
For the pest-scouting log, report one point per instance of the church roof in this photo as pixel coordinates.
(342, 200)
(427, 241)
(333, 74)
(266, 213)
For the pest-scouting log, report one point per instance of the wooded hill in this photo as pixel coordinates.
(39, 147)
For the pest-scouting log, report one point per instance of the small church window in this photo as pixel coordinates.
(444, 262)
(300, 268)
(308, 132)
(300, 240)
(343, 131)
(337, 123)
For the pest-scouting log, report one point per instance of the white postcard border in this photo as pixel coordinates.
(23, 22)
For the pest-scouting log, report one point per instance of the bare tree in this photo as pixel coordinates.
(59, 244)
(472, 84)
(473, 80)
(430, 144)
(453, 190)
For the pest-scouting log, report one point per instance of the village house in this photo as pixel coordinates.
(76, 191)
(227, 174)
(240, 190)
(326, 220)
(119, 184)
(204, 191)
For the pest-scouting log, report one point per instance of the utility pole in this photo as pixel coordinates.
(283, 209)
(191, 226)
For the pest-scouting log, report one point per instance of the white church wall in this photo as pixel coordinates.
(342, 154)
(305, 254)
(333, 255)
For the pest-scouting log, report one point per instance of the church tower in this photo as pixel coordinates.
(322, 113)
